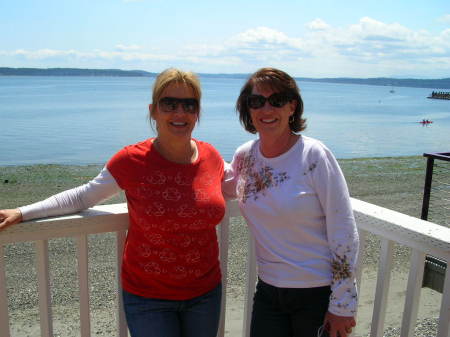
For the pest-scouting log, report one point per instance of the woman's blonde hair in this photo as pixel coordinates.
(173, 75)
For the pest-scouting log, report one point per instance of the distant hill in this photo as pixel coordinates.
(443, 83)
(72, 72)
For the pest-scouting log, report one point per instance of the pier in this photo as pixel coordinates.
(440, 95)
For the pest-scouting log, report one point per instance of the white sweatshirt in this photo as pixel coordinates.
(298, 209)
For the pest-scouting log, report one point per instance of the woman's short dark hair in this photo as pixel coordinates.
(278, 81)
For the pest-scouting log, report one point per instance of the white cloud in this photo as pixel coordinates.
(122, 47)
(317, 24)
(445, 19)
(367, 48)
(96, 54)
(261, 43)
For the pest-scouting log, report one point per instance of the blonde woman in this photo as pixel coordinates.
(171, 275)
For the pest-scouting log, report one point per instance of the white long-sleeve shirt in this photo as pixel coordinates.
(74, 200)
(298, 209)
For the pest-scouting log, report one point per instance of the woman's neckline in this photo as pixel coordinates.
(293, 140)
(193, 159)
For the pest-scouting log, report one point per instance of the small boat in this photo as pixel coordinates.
(425, 121)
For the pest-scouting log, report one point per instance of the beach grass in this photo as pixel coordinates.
(393, 182)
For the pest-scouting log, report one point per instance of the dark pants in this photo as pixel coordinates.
(288, 312)
(150, 317)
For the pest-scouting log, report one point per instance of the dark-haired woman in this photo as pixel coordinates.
(295, 199)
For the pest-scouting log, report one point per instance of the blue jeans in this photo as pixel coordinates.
(152, 317)
(288, 312)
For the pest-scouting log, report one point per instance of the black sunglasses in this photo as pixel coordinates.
(170, 104)
(276, 100)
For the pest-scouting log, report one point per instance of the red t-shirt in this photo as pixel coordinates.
(171, 250)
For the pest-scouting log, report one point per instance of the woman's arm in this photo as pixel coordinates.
(229, 181)
(343, 242)
(342, 233)
(70, 201)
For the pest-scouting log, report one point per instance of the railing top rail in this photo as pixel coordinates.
(438, 155)
(407, 230)
(99, 219)
(410, 231)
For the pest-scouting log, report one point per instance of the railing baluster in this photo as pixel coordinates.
(413, 293)
(223, 246)
(250, 289)
(45, 305)
(83, 279)
(382, 288)
(121, 321)
(444, 317)
(4, 316)
(359, 266)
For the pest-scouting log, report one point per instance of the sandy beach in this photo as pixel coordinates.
(395, 183)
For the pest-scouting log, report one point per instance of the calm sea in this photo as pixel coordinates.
(82, 120)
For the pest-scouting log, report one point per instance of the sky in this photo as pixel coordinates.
(355, 38)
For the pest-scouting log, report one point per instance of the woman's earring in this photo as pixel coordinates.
(291, 119)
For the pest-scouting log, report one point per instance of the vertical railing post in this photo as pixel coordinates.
(359, 265)
(382, 288)
(83, 281)
(413, 289)
(121, 321)
(427, 188)
(223, 246)
(4, 316)
(444, 316)
(250, 289)
(45, 301)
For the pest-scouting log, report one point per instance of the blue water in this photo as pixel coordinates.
(82, 120)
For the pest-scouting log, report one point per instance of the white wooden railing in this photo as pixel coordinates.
(392, 227)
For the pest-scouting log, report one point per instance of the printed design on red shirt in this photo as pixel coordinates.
(169, 225)
(186, 211)
(182, 179)
(155, 239)
(173, 263)
(201, 195)
(156, 178)
(171, 194)
(255, 178)
(156, 209)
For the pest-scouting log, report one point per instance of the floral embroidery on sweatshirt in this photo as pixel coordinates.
(256, 180)
(341, 266)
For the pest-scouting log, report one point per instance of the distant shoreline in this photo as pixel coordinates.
(443, 83)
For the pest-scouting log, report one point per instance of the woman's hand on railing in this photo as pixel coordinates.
(9, 217)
